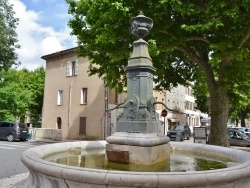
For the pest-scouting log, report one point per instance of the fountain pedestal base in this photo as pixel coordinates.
(137, 154)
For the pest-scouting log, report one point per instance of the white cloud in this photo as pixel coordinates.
(49, 44)
(37, 40)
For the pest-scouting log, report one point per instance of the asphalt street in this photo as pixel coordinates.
(10, 157)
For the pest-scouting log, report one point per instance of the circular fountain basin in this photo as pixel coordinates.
(50, 175)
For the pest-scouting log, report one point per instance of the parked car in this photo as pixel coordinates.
(238, 138)
(245, 130)
(13, 130)
(182, 130)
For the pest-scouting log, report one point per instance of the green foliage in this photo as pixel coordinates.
(36, 85)
(185, 34)
(8, 36)
(189, 37)
(21, 93)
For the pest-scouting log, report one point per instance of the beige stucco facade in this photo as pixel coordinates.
(67, 115)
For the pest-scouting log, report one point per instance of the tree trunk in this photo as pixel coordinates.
(237, 122)
(219, 116)
(243, 117)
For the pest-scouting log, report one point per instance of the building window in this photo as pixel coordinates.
(191, 106)
(82, 126)
(72, 68)
(186, 105)
(169, 104)
(84, 95)
(60, 97)
(173, 105)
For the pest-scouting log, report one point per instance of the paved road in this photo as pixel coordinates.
(10, 157)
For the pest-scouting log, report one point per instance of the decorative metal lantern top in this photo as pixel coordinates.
(141, 25)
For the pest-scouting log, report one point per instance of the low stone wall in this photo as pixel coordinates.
(46, 133)
(51, 175)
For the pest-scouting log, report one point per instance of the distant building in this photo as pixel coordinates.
(181, 98)
(175, 99)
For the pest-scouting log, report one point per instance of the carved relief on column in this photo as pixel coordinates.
(131, 108)
(135, 81)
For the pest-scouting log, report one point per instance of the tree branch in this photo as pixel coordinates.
(204, 65)
(244, 38)
(166, 33)
(192, 56)
(198, 38)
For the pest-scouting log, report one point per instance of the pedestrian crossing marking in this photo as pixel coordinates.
(6, 147)
(18, 145)
(11, 145)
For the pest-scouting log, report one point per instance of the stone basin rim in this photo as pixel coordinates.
(60, 174)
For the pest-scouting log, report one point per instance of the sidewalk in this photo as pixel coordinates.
(13, 181)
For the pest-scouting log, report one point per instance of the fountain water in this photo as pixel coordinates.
(136, 141)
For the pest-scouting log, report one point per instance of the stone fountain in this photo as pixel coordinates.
(136, 140)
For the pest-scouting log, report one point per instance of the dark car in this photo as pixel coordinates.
(183, 131)
(245, 130)
(238, 138)
(13, 130)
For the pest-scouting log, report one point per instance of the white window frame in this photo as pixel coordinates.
(84, 96)
(72, 68)
(60, 97)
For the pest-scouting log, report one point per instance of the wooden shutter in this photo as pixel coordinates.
(85, 95)
(69, 68)
(59, 97)
(76, 67)
(82, 126)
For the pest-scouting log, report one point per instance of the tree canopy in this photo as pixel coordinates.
(8, 36)
(190, 40)
(21, 93)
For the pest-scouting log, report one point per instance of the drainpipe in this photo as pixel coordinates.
(69, 109)
(106, 112)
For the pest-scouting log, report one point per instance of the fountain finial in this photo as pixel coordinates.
(140, 25)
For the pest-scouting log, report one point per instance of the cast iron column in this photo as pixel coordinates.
(139, 118)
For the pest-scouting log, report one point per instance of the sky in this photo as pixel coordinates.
(42, 30)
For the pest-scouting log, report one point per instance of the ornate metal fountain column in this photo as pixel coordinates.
(138, 124)
(139, 114)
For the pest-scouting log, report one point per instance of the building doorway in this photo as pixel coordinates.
(59, 122)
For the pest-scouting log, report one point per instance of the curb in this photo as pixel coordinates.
(13, 181)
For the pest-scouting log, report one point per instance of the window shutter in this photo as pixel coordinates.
(76, 67)
(82, 126)
(59, 97)
(86, 95)
(69, 69)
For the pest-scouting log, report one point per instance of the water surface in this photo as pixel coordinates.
(179, 161)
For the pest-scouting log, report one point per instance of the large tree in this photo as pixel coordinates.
(21, 92)
(36, 85)
(8, 36)
(15, 98)
(189, 38)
